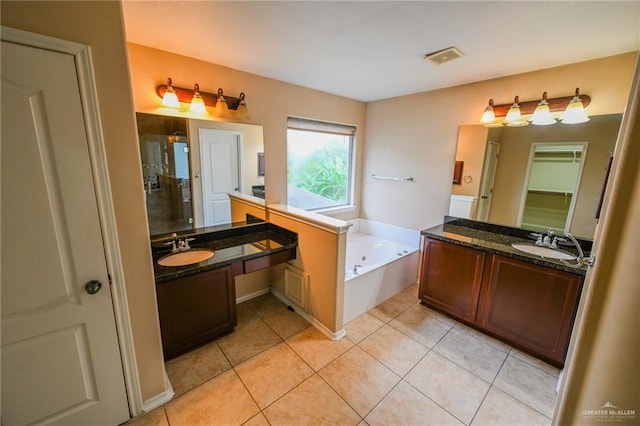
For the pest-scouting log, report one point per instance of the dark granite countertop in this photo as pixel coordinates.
(497, 239)
(231, 243)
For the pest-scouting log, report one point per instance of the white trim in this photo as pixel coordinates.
(252, 295)
(327, 223)
(102, 185)
(311, 320)
(90, 109)
(160, 399)
(247, 199)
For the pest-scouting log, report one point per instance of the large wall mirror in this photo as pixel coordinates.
(536, 177)
(189, 166)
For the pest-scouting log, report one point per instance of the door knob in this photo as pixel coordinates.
(93, 286)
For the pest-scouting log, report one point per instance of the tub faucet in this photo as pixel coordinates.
(355, 269)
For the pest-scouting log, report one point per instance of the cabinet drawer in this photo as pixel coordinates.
(268, 261)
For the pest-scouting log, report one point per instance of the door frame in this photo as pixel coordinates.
(576, 187)
(98, 157)
(489, 168)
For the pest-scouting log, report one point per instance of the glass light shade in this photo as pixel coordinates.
(197, 103)
(242, 111)
(513, 114)
(222, 109)
(575, 113)
(542, 115)
(514, 117)
(170, 99)
(488, 118)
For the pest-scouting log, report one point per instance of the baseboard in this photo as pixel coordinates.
(311, 320)
(252, 295)
(160, 399)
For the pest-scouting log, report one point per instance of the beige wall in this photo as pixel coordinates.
(472, 144)
(604, 352)
(515, 149)
(269, 101)
(416, 135)
(100, 25)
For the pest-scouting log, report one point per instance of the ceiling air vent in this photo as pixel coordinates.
(442, 56)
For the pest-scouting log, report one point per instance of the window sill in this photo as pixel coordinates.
(335, 210)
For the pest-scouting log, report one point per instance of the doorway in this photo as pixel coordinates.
(552, 182)
(488, 179)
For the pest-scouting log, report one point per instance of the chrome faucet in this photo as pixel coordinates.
(355, 269)
(179, 244)
(548, 240)
(589, 261)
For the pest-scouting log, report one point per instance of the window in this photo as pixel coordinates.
(319, 164)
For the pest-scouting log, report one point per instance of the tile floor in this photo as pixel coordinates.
(400, 364)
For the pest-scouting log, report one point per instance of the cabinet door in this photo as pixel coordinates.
(196, 309)
(530, 305)
(450, 278)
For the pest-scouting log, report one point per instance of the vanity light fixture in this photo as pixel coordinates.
(222, 110)
(578, 102)
(575, 113)
(242, 111)
(186, 96)
(514, 116)
(170, 98)
(197, 103)
(542, 114)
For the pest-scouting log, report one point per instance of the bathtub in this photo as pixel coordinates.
(381, 261)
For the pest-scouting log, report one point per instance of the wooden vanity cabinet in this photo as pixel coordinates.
(450, 278)
(530, 306)
(196, 309)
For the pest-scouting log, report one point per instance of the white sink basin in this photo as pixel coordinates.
(542, 251)
(186, 257)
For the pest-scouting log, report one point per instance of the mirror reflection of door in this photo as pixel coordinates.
(488, 178)
(164, 151)
(553, 179)
(219, 169)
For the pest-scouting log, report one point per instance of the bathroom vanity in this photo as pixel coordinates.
(197, 302)
(470, 272)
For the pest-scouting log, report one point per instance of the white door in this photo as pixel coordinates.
(60, 356)
(219, 168)
(488, 179)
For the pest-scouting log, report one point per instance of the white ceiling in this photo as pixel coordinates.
(374, 50)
